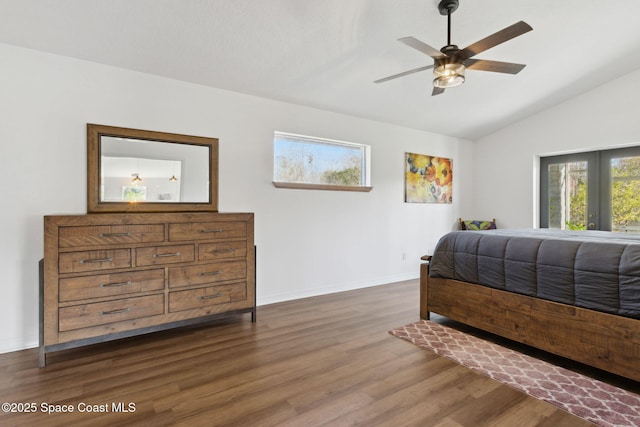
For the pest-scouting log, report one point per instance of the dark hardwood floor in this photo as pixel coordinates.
(327, 360)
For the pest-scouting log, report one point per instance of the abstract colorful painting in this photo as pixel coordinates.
(427, 179)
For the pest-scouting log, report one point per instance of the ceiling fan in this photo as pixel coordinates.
(450, 62)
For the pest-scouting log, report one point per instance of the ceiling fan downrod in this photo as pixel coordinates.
(447, 7)
(449, 29)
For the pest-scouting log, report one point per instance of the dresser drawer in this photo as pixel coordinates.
(156, 255)
(107, 285)
(208, 230)
(77, 262)
(222, 250)
(206, 297)
(98, 235)
(207, 273)
(101, 313)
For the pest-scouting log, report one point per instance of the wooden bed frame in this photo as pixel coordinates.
(601, 340)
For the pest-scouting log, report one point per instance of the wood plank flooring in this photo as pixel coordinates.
(321, 361)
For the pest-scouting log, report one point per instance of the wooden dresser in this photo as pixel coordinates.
(110, 276)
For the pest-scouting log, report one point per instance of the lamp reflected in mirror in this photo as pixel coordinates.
(173, 175)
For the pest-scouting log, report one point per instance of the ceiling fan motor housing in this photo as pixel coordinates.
(450, 56)
(450, 50)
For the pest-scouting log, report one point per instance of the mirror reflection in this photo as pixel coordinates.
(135, 170)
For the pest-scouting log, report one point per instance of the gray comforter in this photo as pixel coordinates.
(591, 269)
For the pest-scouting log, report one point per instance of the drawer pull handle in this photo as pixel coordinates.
(121, 310)
(166, 255)
(115, 234)
(221, 251)
(210, 273)
(211, 230)
(87, 261)
(112, 285)
(203, 297)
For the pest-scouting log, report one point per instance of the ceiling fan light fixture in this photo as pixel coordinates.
(448, 75)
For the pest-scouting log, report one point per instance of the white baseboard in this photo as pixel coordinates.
(263, 299)
(8, 346)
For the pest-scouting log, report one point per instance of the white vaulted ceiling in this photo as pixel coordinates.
(326, 54)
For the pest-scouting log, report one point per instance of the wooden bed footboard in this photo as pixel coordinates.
(601, 340)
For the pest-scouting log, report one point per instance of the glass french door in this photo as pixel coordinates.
(568, 196)
(622, 190)
(597, 190)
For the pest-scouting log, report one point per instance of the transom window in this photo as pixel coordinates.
(318, 163)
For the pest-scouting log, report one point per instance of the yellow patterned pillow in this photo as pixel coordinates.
(479, 225)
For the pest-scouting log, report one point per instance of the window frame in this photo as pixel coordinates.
(365, 164)
(599, 203)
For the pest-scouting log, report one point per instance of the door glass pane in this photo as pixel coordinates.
(625, 194)
(568, 195)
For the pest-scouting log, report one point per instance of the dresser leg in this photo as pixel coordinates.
(42, 358)
(42, 355)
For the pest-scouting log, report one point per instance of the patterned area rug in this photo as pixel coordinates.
(582, 396)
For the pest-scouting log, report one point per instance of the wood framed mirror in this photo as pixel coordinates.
(132, 170)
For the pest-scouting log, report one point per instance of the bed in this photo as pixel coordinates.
(574, 294)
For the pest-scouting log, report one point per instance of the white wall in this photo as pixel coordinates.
(506, 175)
(309, 242)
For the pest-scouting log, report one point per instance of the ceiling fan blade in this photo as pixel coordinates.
(437, 91)
(422, 47)
(495, 66)
(494, 39)
(405, 73)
